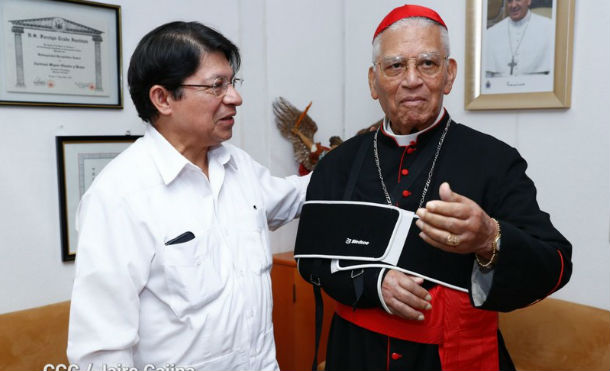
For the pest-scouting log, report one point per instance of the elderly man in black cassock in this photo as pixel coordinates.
(481, 240)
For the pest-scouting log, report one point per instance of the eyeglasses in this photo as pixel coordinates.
(219, 87)
(426, 64)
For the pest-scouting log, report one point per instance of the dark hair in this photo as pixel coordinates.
(168, 55)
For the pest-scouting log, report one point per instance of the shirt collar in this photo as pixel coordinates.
(222, 156)
(408, 139)
(170, 162)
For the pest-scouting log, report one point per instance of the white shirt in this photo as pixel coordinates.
(529, 41)
(205, 303)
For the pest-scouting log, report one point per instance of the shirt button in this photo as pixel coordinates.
(396, 356)
(406, 193)
(404, 172)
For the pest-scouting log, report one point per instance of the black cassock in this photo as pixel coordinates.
(533, 262)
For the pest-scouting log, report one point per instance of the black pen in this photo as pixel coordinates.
(184, 237)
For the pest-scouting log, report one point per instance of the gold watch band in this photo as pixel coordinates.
(494, 249)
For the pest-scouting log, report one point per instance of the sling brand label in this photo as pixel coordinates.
(349, 241)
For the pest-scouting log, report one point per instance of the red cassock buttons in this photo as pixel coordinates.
(406, 193)
(404, 172)
(396, 356)
(410, 150)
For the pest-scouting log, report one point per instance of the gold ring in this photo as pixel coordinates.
(452, 240)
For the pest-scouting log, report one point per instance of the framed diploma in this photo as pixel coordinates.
(519, 54)
(60, 53)
(79, 160)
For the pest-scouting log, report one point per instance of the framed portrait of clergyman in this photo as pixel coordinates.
(519, 54)
(79, 160)
(60, 53)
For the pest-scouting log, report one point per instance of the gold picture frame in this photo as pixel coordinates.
(557, 97)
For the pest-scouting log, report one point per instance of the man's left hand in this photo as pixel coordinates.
(456, 224)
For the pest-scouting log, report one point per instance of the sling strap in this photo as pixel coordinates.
(358, 280)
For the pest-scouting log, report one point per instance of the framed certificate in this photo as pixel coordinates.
(519, 54)
(79, 160)
(60, 53)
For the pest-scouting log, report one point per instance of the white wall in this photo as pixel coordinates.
(318, 51)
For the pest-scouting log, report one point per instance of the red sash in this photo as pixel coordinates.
(466, 336)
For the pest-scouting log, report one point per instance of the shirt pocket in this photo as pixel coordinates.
(252, 245)
(193, 273)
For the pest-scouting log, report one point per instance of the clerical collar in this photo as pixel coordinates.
(408, 139)
(523, 21)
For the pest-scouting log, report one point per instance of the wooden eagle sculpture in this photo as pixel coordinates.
(299, 129)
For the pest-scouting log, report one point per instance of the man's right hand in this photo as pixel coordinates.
(404, 296)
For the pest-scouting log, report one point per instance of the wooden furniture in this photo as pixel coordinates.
(550, 335)
(558, 335)
(294, 317)
(33, 338)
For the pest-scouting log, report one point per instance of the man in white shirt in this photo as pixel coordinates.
(520, 44)
(173, 256)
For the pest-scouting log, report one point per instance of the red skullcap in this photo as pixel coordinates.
(407, 11)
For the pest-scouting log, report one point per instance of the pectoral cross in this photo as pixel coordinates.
(512, 64)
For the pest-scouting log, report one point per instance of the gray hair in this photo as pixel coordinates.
(412, 21)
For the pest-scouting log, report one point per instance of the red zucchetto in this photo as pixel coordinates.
(407, 11)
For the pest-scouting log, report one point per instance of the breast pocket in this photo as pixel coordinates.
(251, 229)
(193, 273)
